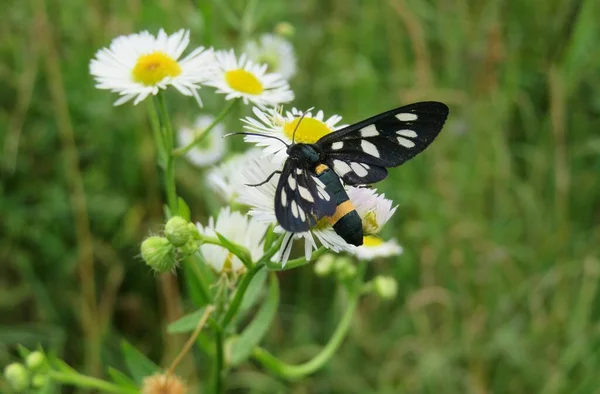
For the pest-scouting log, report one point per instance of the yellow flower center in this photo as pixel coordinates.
(371, 241)
(244, 81)
(370, 225)
(309, 131)
(152, 68)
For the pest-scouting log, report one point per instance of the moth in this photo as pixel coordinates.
(310, 184)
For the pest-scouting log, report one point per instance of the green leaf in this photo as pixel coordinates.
(259, 327)
(193, 285)
(254, 290)
(241, 252)
(121, 379)
(184, 209)
(187, 323)
(270, 237)
(23, 351)
(138, 364)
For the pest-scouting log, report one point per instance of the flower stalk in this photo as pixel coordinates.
(168, 138)
(295, 372)
(224, 112)
(89, 382)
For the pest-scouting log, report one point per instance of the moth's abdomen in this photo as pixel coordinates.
(345, 221)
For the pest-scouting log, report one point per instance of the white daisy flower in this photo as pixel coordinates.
(238, 228)
(374, 209)
(242, 78)
(211, 149)
(261, 200)
(374, 247)
(227, 178)
(139, 65)
(274, 51)
(271, 123)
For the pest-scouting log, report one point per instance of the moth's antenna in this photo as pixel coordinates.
(258, 134)
(296, 128)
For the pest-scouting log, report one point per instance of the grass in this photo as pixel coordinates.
(499, 219)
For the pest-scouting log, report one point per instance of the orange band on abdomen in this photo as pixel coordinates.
(321, 168)
(342, 210)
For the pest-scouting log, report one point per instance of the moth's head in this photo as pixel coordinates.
(304, 152)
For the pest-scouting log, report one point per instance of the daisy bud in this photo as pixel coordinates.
(385, 287)
(16, 376)
(285, 29)
(324, 265)
(177, 231)
(344, 268)
(39, 381)
(35, 360)
(159, 253)
(189, 248)
(163, 384)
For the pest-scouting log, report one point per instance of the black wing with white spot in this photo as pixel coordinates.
(300, 198)
(361, 152)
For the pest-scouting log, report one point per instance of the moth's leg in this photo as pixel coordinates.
(266, 180)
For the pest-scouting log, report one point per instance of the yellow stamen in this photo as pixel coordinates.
(370, 224)
(228, 265)
(244, 81)
(152, 68)
(371, 241)
(309, 131)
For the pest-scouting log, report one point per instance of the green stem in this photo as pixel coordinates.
(295, 263)
(158, 137)
(183, 150)
(218, 363)
(168, 137)
(239, 296)
(275, 246)
(89, 382)
(292, 372)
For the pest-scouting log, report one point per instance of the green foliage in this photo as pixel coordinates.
(252, 335)
(498, 285)
(138, 364)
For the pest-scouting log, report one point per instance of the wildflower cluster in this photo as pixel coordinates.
(141, 65)
(244, 237)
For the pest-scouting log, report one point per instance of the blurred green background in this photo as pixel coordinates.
(499, 219)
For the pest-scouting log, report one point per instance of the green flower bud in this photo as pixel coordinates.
(159, 253)
(285, 29)
(385, 287)
(177, 231)
(35, 360)
(344, 268)
(16, 376)
(324, 265)
(194, 231)
(40, 381)
(347, 271)
(189, 248)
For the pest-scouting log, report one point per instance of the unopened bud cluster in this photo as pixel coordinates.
(22, 377)
(340, 266)
(162, 253)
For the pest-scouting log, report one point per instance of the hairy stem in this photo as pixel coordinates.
(168, 137)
